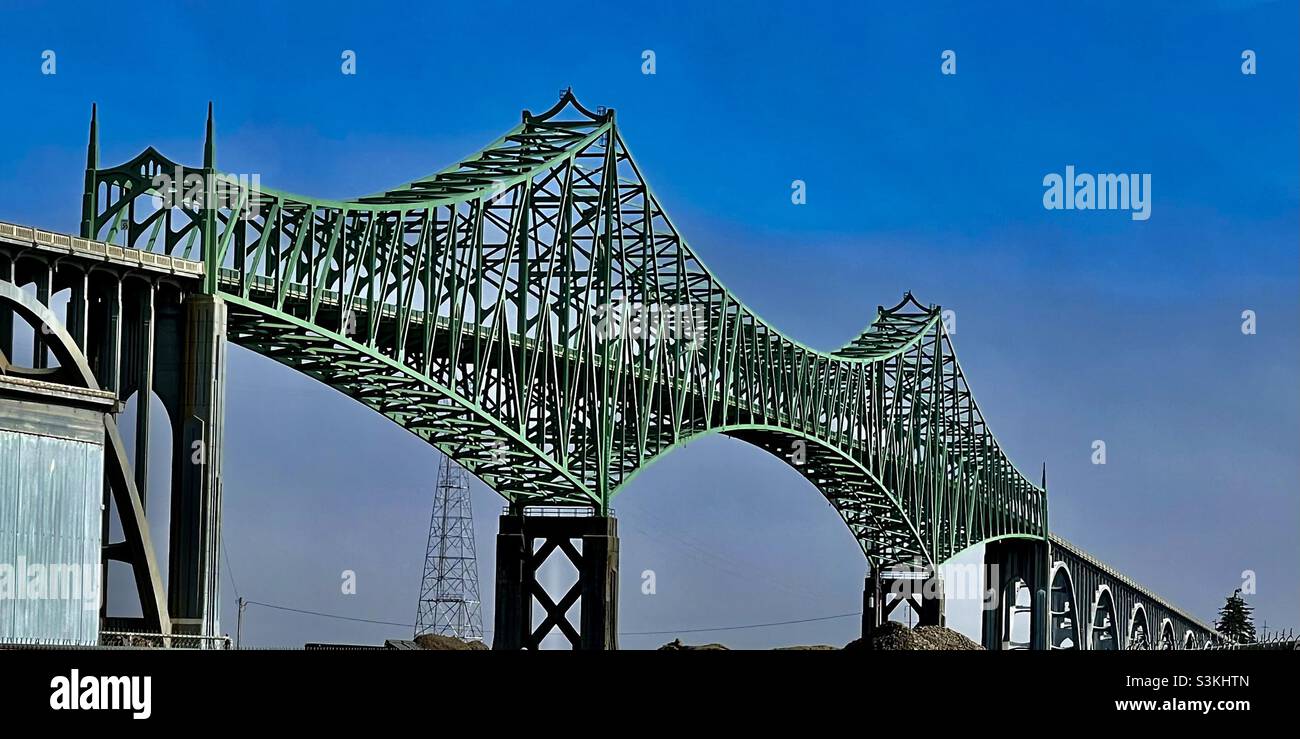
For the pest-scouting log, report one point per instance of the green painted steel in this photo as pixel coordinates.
(533, 312)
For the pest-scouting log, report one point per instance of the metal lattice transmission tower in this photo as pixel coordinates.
(449, 601)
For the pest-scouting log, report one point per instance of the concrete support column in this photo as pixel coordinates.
(7, 270)
(913, 585)
(524, 544)
(108, 360)
(598, 577)
(105, 357)
(514, 607)
(932, 611)
(7, 332)
(194, 584)
(1041, 615)
(44, 288)
(992, 621)
(78, 312)
(144, 368)
(873, 614)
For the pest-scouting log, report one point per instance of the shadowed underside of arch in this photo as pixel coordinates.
(533, 312)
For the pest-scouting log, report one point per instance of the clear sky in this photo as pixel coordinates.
(1072, 326)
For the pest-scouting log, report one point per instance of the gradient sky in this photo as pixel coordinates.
(1072, 326)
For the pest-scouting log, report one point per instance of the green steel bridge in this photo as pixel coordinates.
(533, 313)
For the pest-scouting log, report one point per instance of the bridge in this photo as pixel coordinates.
(533, 313)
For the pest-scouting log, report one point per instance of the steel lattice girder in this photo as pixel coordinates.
(465, 307)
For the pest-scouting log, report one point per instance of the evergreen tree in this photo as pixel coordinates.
(1235, 622)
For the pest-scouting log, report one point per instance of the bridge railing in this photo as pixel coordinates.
(1278, 640)
(74, 245)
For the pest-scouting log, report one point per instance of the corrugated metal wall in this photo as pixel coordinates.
(50, 497)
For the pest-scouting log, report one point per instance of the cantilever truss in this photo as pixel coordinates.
(498, 309)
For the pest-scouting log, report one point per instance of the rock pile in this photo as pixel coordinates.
(438, 641)
(893, 636)
(947, 639)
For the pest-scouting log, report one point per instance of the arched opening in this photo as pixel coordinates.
(1168, 641)
(1138, 629)
(1104, 634)
(22, 335)
(696, 562)
(862, 501)
(156, 493)
(1018, 605)
(26, 342)
(59, 304)
(1064, 630)
(49, 283)
(1189, 641)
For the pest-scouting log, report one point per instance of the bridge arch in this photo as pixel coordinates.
(1104, 628)
(35, 349)
(438, 413)
(1138, 635)
(1016, 601)
(852, 489)
(1064, 609)
(1168, 640)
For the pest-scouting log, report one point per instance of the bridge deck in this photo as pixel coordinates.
(63, 244)
(1059, 542)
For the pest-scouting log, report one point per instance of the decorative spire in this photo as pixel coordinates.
(92, 149)
(210, 142)
(1044, 474)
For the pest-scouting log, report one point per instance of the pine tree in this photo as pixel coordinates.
(1235, 622)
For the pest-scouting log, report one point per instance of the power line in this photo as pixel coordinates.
(737, 628)
(694, 630)
(229, 570)
(723, 563)
(328, 615)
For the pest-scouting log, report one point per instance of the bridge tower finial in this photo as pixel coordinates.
(1044, 475)
(92, 148)
(208, 224)
(89, 199)
(210, 142)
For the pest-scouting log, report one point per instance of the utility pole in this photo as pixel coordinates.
(449, 600)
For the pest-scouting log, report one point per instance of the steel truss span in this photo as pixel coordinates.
(533, 312)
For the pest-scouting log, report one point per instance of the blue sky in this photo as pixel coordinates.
(1072, 326)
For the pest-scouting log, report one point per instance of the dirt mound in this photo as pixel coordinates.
(438, 641)
(807, 648)
(893, 636)
(676, 646)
